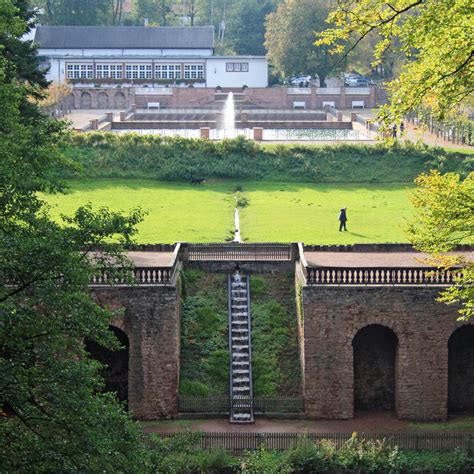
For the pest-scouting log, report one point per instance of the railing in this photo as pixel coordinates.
(223, 405)
(240, 251)
(140, 275)
(238, 443)
(379, 276)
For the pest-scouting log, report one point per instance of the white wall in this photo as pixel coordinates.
(217, 75)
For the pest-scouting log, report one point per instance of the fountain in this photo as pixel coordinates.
(229, 117)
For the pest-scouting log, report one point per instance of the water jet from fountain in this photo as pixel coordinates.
(229, 117)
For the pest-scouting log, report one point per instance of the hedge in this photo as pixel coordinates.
(109, 155)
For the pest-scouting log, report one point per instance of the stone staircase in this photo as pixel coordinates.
(240, 347)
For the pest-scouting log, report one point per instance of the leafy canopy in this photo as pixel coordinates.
(444, 219)
(436, 37)
(290, 38)
(54, 417)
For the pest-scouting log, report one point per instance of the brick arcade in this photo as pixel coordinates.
(372, 333)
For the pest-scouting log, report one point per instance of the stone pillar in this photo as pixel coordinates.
(122, 116)
(109, 117)
(134, 108)
(353, 116)
(339, 116)
(342, 98)
(205, 132)
(258, 134)
(94, 124)
(243, 117)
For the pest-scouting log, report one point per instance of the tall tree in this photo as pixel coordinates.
(246, 26)
(290, 36)
(54, 418)
(158, 12)
(444, 219)
(77, 12)
(436, 37)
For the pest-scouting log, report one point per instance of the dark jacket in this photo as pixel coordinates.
(342, 216)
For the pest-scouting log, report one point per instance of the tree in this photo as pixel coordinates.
(54, 416)
(444, 219)
(436, 38)
(290, 38)
(77, 12)
(158, 12)
(246, 26)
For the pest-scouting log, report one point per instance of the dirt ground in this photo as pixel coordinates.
(364, 422)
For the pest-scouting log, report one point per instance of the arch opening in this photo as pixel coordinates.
(375, 350)
(461, 370)
(115, 372)
(86, 100)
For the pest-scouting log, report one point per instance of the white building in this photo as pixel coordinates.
(131, 56)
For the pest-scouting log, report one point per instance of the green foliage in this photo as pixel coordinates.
(290, 36)
(262, 460)
(241, 200)
(54, 418)
(204, 347)
(409, 461)
(444, 206)
(438, 69)
(99, 154)
(275, 356)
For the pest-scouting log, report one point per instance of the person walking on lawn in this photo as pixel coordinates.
(342, 219)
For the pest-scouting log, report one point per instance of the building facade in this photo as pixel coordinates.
(116, 57)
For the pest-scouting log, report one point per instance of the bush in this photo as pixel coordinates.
(108, 155)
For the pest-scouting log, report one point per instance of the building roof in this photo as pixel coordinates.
(118, 37)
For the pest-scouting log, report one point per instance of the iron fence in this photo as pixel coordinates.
(223, 405)
(238, 443)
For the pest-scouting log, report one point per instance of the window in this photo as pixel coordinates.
(138, 71)
(168, 71)
(112, 71)
(194, 71)
(237, 67)
(80, 71)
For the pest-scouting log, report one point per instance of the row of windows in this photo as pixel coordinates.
(134, 71)
(237, 67)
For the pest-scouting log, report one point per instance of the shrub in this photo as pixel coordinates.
(100, 154)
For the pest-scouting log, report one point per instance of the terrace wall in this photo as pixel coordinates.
(333, 315)
(150, 317)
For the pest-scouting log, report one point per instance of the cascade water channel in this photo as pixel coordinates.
(240, 347)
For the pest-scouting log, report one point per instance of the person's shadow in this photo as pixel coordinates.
(358, 235)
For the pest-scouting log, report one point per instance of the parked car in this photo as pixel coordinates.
(300, 81)
(358, 81)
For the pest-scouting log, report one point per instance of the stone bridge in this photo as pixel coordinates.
(372, 334)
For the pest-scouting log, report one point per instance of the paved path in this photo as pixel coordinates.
(364, 422)
(151, 259)
(370, 259)
(80, 118)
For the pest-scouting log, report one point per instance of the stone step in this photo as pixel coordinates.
(242, 416)
(240, 363)
(240, 390)
(240, 355)
(240, 347)
(240, 339)
(240, 380)
(240, 371)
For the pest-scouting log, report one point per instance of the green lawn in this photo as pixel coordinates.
(309, 213)
(282, 212)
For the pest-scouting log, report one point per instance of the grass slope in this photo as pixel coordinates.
(290, 212)
(284, 212)
(176, 212)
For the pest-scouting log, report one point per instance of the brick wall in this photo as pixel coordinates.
(334, 315)
(151, 320)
